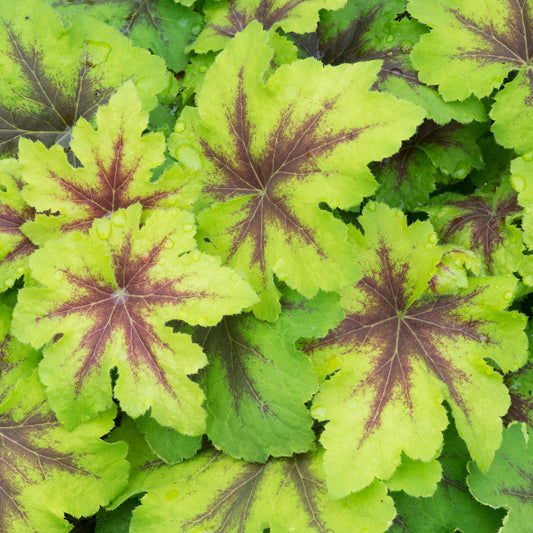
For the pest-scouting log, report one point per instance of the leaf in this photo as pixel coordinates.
(369, 30)
(520, 386)
(104, 303)
(452, 507)
(46, 471)
(224, 19)
(273, 152)
(481, 222)
(409, 176)
(162, 26)
(509, 481)
(257, 383)
(472, 49)
(401, 351)
(522, 181)
(52, 74)
(416, 478)
(216, 493)
(115, 172)
(15, 247)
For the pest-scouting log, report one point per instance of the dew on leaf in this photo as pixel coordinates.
(187, 227)
(196, 29)
(528, 156)
(9, 282)
(168, 243)
(20, 270)
(195, 255)
(390, 38)
(508, 295)
(528, 279)
(59, 276)
(180, 126)
(406, 46)
(119, 220)
(461, 170)
(371, 206)
(518, 182)
(433, 238)
(103, 228)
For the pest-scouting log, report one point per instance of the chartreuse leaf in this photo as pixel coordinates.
(409, 176)
(257, 383)
(107, 296)
(416, 478)
(522, 181)
(47, 471)
(509, 481)
(54, 73)
(116, 161)
(401, 351)
(224, 19)
(482, 222)
(452, 507)
(213, 492)
(15, 247)
(273, 152)
(471, 50)
(163, 26)
(367, 30)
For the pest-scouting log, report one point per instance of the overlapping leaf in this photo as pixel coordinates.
(52, 74)
(46, 471)
(452, 507)
(15, 247)
(216, 493)
(273, 152)
(163, 26)
(257, 383)
(224, 19)
(402, 351)
(409, 176)
(522, 181)
(509, 482)
(105, 304)
(116, 161)
(482, 222)
(368, 30)
(471, 50)
(520, 386)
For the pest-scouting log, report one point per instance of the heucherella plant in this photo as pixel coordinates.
(266, 266)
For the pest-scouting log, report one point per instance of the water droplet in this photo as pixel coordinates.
(187, 227)
(103, 228)
(180, 126)
(21, 270)
(371, 206)
(518, 182)
(203, 68)
(528, 280)
(59, 276)
(389, 38)
(190, 136)
(172, 495)
(319, 412)
(183, 23)
(528, 157)
(196, 29)
(508, 295)
(195, 255)
(433, 238)
(118, 219)
(398, 213)
(406, 46)
(168, 243)
(461, 170)
(9, 282)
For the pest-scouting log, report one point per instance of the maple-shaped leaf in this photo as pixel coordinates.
(409, 176)
(46, 471)
(481, 222)
(213, 492)
(401, 351)
(416, 478)
(257, 383)
(509, 481)
(274, 152)
(451, 507)
(15, 247)
(54, 73)
(162, 26)
(115, 173)
(224, 19)
(471, 50)
(105, 304)
(364, 31)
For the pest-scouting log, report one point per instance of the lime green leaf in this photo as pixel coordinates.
(15, 247)
(522, 181)
(471, 50)
(52, 74)
(116, 161)
(257, 383)
(216, 493)
(47, 471)
(402, 351)
(509, 480)
(224, 19)
(105, 301)
(452, 507)
(416, 478)
(408, 177)
(481, 222)
(162, 26)
(368, 30)
(166, 442)
(273, 152)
